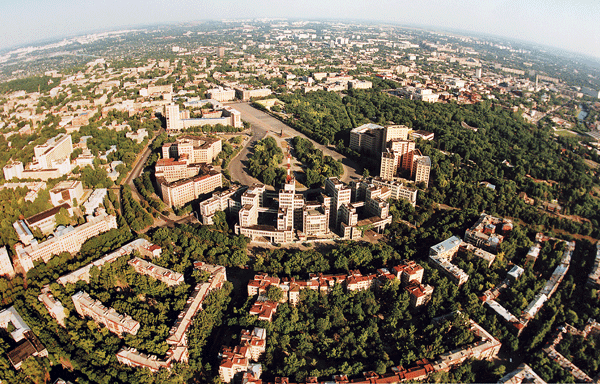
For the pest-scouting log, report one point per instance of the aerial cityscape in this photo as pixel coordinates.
(285, 200)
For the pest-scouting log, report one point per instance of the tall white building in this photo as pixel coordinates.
(57, 148)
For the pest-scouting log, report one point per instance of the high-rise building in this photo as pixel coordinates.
(57, 148)
(422, 168)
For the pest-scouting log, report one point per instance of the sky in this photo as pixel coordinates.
(572, 25)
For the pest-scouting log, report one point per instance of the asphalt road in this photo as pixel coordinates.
(238, 164)
(262, 123)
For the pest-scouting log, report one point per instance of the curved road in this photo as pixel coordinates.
(237, 165)
(262, 123)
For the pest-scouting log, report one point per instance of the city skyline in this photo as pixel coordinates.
(568, 26)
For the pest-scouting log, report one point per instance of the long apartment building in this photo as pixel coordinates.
(111, 319)
(180, 192)
(167, 276)
(197, 149)
(177, 341)
(409, 273)
(178, 120)
(69, 239)
(143, 246)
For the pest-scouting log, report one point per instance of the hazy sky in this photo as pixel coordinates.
(569, 24)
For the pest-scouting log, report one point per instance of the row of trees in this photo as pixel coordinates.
(264, 162)
(317, 166)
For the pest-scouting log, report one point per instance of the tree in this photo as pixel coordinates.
(35, 370)
(274, 293)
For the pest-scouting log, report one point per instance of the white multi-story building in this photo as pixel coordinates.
(221, 94)
(66, 192)
(68, 239)
(57, 148)
(13, 169)
(180, 192)
(197, 149)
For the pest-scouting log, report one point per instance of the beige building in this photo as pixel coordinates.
(54, 307)
(66, 192)
(315, 219)
(197, 149)
(114, 321)
(398, 190)
(178, 120)
(167, 276)
(68, 239)
(247, 94)
(422, 168)
(178, 193)
(221, 94)
(6, 267)
(173, 170)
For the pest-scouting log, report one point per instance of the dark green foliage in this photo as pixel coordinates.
(265, 161)
(317, 167)
(137, 217)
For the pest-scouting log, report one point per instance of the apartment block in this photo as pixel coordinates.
(28, 344)
(54, 307)
(167, 276)
(421, 169)
(245, 94)
(69, 239)
(173, 170)
(177, 339)
(398, 189)
(221, 94)
(195, 149)
(488, 232)
(177, 120)
(441, 255)
(14, 169)
(315, 218)
(367, 138)
(143, 246)
(111, 319)
(237, 360)
(220, 201)
(44, 221)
